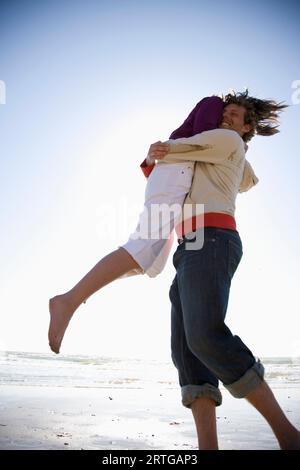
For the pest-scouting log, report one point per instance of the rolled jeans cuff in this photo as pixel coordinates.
(190, 393)
(248, 382)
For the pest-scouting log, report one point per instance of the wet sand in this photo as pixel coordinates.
(124, 418)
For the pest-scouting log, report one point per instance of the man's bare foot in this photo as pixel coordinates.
(61, 312)
(292, 442)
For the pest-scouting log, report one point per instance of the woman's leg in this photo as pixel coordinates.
(62, 307)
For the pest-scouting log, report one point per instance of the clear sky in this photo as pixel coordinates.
(89, 85)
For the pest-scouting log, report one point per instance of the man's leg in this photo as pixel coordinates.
(211, 340)
(199, 386)
(62, 307)
(263, 400)
(204, 286)
(204, 412)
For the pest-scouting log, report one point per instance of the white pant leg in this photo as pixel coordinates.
(161, 260)
(152, 241)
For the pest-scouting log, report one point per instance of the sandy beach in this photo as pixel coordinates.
(126, 414)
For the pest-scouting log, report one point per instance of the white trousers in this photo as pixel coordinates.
(150, 244)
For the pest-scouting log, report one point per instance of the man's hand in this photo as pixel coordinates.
(157, 151)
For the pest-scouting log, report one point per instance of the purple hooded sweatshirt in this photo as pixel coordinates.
(206, 116)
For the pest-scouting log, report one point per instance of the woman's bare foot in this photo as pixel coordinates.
(61, 311)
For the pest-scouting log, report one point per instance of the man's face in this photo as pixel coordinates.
(233, 119)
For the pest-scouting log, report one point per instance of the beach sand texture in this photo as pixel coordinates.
(80, 402)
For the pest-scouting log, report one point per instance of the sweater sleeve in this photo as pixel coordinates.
(211, 147)
(205, 116)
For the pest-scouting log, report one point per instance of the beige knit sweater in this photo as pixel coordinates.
(220, 171)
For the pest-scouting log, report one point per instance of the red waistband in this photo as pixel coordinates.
(210, 219)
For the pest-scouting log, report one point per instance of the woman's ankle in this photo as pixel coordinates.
(70, 299)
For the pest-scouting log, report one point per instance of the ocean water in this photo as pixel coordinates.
(47, 370)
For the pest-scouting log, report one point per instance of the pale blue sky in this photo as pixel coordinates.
(89, 85)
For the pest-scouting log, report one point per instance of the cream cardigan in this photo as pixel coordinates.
(220, 171)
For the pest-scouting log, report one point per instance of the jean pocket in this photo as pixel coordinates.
(235, 252)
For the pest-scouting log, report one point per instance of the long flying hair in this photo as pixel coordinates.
(262, 115)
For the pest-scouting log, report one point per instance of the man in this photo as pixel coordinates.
(203, 348)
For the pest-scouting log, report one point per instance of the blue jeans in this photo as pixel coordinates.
(203, 348)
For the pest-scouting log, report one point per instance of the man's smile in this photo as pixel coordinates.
(226, 124)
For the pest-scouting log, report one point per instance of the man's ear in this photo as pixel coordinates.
(247, 128)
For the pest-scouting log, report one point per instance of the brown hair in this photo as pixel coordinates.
(262, 115)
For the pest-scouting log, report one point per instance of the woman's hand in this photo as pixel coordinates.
(157, 151)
